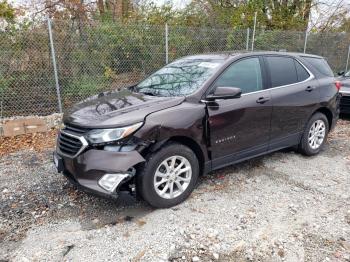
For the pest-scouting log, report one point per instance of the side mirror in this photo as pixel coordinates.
(222, 92)
(341, 73)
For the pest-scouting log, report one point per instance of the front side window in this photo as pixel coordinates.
(282, 70)
(244, 74)
(180, 78)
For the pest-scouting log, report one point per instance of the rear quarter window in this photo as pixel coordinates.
(301, 72)
(320, 65)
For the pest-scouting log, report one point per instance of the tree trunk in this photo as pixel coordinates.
(101, 7)
(306, 13)
(119, 9)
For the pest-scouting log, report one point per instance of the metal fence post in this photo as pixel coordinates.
(53, 55)
(305, 42)
(253, 37)
(347, 60)
(1, 104)
(247, 43)
(166, 44)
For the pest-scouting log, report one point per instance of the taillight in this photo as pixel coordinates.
(338, 85)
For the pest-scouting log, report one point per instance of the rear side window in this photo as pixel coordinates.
(282, 70)
(301, 72)
(320, 65)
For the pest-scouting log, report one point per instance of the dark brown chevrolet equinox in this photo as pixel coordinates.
(195, 115)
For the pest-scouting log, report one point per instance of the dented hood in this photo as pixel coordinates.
(117, 108)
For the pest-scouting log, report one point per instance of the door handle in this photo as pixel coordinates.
(310, 88)
(262, 100)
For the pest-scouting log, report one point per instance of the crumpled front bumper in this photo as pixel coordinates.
(86, 170)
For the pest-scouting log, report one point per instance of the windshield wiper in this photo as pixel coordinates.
(148, 93)
(145, 92)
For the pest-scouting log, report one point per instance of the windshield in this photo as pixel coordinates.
(180, 78)
(347, 73)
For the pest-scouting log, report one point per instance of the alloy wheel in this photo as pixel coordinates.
(172, 177)
(317, 134)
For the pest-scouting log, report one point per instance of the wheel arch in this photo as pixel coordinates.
(184, 140)
(324, 110)
(303, 145)
(328, 113)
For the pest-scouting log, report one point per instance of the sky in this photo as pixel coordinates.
(177, 3)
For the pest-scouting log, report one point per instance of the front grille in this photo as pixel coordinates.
(345, 104)
(71, 141)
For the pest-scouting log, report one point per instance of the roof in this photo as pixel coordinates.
(289, 53)
(228, 54)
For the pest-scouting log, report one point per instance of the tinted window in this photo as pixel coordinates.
(320, 64)
(245, 74)
(301, 72)
(282, 70)
(179, 78)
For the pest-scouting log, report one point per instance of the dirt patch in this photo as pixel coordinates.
(37, 142)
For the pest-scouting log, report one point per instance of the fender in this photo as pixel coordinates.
(184, 123)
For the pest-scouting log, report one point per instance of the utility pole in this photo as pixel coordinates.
(166, 44)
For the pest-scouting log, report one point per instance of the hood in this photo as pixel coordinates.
(117, 108)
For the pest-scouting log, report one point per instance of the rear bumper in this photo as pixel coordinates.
(86, 170)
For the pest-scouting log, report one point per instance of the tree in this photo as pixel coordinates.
(332, 16)
(7, 12)
(114, 9)
(345, 25)
(274, 14)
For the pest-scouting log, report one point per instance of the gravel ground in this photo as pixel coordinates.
(280, 207)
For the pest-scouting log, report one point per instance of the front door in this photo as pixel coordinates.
(240, 127)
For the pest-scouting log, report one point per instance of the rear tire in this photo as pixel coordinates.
(168, 176)
(315, 135)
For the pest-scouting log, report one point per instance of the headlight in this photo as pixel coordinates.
(99, 136)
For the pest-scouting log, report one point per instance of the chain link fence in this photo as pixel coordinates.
(27, 83)
(42, 70)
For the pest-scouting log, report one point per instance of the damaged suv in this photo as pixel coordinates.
(193, 116)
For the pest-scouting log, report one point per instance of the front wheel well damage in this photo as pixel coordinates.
(189, 142)
(194, 147)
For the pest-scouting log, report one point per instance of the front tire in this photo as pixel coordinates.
(315, 135)
(168, 176)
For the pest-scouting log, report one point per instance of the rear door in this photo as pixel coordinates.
(240, 127)
(295, 95)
